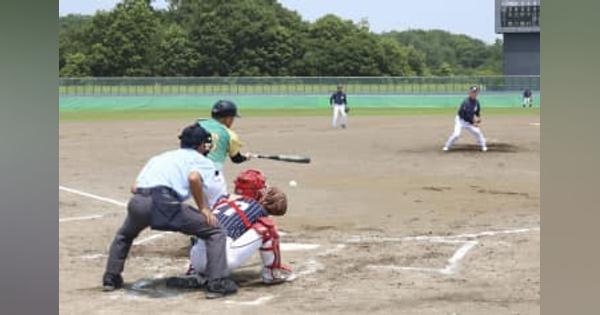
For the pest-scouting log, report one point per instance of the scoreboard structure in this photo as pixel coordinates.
(519, 23)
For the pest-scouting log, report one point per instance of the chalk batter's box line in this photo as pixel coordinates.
(454, 261)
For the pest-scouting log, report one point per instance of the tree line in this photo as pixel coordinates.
(255, 38)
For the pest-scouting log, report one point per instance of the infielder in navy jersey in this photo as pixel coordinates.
(339, 102)
(468, 117)
(245, 218)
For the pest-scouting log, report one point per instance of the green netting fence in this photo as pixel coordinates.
(287, 92)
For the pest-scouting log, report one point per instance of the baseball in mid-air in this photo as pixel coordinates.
(293, 183)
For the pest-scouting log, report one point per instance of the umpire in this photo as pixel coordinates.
(158, 194)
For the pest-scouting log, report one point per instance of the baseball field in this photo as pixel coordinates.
(381, 222)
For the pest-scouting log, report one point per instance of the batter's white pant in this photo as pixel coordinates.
(527, 101)
(459, 124)
(339, 109)
(238, 251)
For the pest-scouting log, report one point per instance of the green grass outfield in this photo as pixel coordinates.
(160, 114)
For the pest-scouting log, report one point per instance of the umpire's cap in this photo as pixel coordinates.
(224, 108)
(194, 135)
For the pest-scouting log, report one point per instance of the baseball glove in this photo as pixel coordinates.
(274, 201)
(476, 121)
(347, 109)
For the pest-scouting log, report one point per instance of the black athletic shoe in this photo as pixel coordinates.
(220, 287)
(185, 282)
(111, 282)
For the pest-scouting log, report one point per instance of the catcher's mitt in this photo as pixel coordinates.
(274, 201)
(347, 109)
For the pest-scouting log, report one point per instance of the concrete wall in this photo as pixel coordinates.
(521, 53)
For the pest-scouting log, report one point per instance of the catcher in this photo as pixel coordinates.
(245, 218)
(468, 117)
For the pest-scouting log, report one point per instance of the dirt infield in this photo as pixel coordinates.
(401, 226)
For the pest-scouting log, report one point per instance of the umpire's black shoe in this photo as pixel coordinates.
(111, 282)
(185, 282)
(220, 287)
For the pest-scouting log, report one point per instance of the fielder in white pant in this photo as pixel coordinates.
(339, 102)
(469, 118)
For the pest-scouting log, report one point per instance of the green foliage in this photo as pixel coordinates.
(71, 36)
(255, 38)
(176, 55)
(450, 53)
(444, 70)
(76, 65)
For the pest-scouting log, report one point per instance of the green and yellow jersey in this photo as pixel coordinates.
(226, 143)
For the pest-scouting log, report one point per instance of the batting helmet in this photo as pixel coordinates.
(250, 184)
(224, 108)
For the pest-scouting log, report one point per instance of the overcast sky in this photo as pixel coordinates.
(472, 17)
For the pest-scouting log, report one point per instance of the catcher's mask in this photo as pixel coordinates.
(250, 184)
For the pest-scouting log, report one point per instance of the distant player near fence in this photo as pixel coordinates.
(527, 98)
(339, 102)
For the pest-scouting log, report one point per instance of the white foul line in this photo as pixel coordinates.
(81, 193)
(359, 239)
(96, 197)
(151, 238)
(288, 247)
(312, 266)
(332, 251)
(87, 217)
(98, 216)
(450, 268)
(492, 233)
(454, 261)
(258, 301)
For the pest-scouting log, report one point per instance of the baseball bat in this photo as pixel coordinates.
(284, 158)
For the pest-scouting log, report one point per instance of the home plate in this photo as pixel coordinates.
(534, 124)
(298, 246)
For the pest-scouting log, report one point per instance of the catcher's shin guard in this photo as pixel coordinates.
(273, 270)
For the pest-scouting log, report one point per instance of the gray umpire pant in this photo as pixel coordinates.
(188, 221)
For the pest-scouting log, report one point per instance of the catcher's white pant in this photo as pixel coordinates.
(240, 251)
(527, 101)
(459, 124)
(339, 109)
